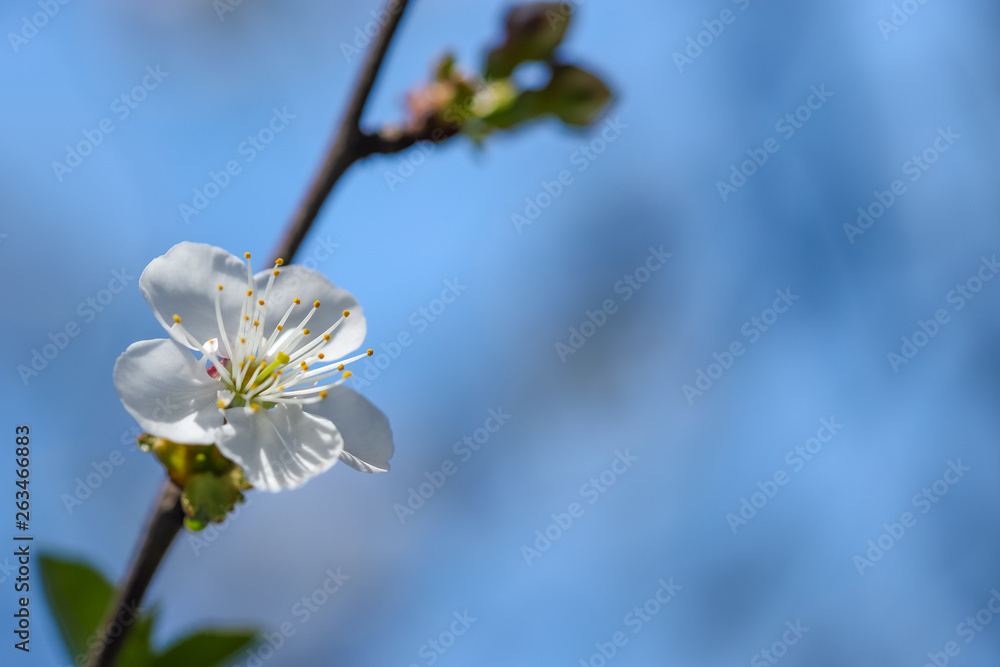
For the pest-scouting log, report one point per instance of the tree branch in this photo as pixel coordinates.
(164, 525)
(386, 143)
(350, 143)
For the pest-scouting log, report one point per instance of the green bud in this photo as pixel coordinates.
(212, 484)
(533, 32)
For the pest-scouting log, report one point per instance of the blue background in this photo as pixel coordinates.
(495, 345)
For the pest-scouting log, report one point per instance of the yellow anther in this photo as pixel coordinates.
(251, 358)
(243, 340)
(247, 255)
(322, 394)
(315, 304)
(370, 352)
(304, 366)
(222, 404)
(326, 336)
(322, 356)
(246, 317)
(276, 272)
(260, 302)
(340, 367)
(346, 313)
(305, 332)
(220, 288)
(255, 407)
(177, 319)
(347, 374)
(296, 301)
(279, 261)
(280, 327)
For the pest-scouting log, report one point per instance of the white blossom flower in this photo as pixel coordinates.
(253, 368)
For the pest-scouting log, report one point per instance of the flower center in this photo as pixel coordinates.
(261, 370)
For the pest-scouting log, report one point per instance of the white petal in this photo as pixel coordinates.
(368, 442)
(185, 282)
(279, 448)
(168, 392)
(299, 282)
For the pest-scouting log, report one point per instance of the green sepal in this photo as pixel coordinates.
(209, 498)
(212, 484)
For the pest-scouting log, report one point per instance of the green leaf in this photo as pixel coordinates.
(138, 649)
(574, 95)
(79, 597)
(207, 648)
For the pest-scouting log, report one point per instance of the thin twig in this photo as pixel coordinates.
(164, 525)
(348, 146)
(385, 143)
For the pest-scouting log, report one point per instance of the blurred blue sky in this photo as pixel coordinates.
(495, 346)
